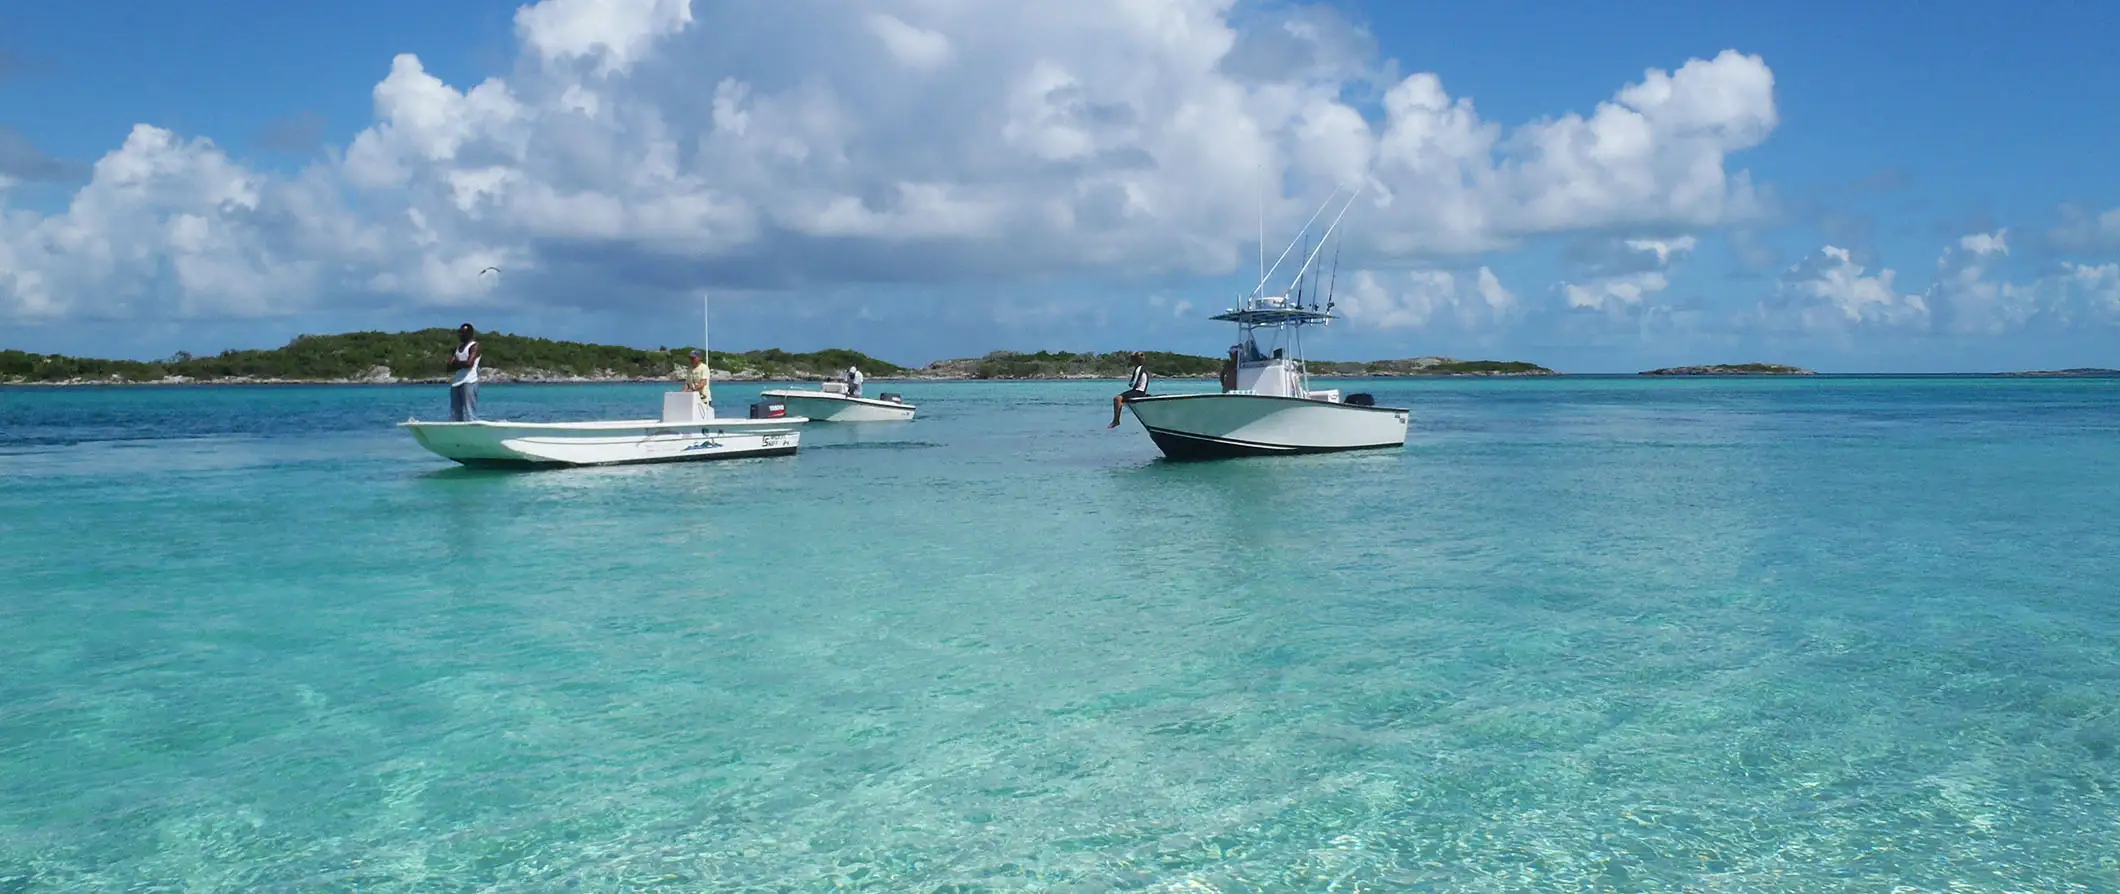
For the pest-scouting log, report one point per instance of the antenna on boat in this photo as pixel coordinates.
(1262, 221)
(1334, 281)
(1291, 243)
(1313, 291)
(1298, 293)
(707, 354)
(1328, 231)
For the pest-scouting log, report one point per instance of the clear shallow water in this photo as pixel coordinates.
(1794, 635)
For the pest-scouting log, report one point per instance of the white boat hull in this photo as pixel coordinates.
(529, 444)
(1219, 426)
(824, 406)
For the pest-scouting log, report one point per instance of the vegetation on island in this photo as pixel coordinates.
(1164, 364)
(1731, 369)
(1068, 365)
(384, 357)
(422, 355)
(1430, 366)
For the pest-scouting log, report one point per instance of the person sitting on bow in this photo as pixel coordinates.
(1136, 386)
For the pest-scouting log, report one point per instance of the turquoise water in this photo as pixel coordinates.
(1711, 635)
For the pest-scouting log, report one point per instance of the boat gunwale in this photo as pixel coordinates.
(827, 395)
(603, 425)
(1282, 397)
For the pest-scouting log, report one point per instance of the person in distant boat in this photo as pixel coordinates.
(1229, 369)
(853, 381)
(1136, 386)
(696, 374)
(463, 376)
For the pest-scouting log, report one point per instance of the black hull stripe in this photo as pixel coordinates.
(556, 464)
(1182, 445)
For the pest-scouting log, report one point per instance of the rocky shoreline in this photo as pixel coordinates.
(1731, 369)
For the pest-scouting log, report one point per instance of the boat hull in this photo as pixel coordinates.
(823, 406)
(546, 444)
(1224, 426)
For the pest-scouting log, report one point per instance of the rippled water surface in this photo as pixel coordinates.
(1580, 634)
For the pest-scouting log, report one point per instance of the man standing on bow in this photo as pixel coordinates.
(463, 376)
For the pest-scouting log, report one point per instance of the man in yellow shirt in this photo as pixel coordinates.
(696, 376)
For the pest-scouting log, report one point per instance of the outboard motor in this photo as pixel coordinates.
(1359, 400)
(892, 396)
(768, 409)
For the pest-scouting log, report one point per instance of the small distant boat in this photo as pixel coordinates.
(687, 431)
(1273, 410)
(832, 403)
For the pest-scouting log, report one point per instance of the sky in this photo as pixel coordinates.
(1593, 187)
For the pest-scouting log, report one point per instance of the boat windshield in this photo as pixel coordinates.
(1252, 353)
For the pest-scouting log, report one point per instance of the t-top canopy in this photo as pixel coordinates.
(1272, 311)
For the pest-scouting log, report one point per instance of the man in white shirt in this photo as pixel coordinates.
(853, 381)
(463, 376)
(1136, 386)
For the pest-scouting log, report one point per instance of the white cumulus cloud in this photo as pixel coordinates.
(2091, 291)
(916, 47)
(1965, 300)
(616, 33)
(1426, 298)
(641, 148)
(1829, 292)
(2081, 231)
(1969, 297)
(1625, 282)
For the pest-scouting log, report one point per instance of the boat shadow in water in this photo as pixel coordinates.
(1299, 463)
(1256, 476)
(503, 470)
(1243, 500)
(457, 472)
(870, 445)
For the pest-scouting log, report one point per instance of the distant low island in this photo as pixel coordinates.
(1731, 369)
(417, 357)
(2084, 372)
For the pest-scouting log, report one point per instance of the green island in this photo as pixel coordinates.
(417, 357)
(1116, 364)
(386, 357)
(1731, 369)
